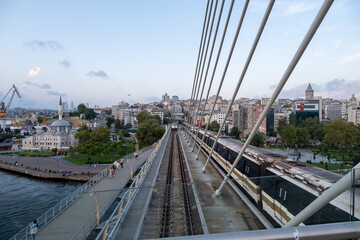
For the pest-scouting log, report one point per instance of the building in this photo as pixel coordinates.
(309, 93)
(270, 123)
(218, 117)
(354, 114)
(175, 98)
(159, 113)
(308, 108)
(165, 97)
(58, 135)
(333, 111)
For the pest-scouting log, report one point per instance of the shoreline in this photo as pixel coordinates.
(48, 168)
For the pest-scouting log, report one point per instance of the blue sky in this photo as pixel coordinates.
(103, 52)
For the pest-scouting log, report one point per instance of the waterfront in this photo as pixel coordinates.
(24, 198)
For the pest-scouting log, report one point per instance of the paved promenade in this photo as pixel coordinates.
(49, 168)
(78, 215)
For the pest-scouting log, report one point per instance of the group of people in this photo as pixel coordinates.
(116, 165)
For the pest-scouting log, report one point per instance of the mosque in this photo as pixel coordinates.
(59, 134)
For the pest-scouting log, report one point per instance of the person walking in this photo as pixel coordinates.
(111, 172)
(33, 229)
(122, 162)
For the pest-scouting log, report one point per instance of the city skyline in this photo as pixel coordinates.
(103, 54)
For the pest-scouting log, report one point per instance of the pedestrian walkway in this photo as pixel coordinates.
(81, 216)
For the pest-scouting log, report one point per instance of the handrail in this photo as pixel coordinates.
(123, 206)
(90, 222)
(60, 207)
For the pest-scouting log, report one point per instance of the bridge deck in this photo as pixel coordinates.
(224, 214)
(70, 221)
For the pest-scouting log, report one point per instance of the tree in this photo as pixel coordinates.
(302, 136)
(281, 126)
(214, 126)
(289, 135)
(142, 116)
(40, 119)
(81, 108)
(128, 125)
(258, 139)
(292, 119)
(124, 133)
(101, 134)
(148, 133)
(313, 126)
(117, 124)
(90, 113)
(339, 133)
(234, 132)
(108, 111)
(109, 121)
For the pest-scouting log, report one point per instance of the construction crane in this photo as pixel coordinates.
(4, 108)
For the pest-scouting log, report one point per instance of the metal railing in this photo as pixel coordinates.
(60, 207)
(90, 222)
(121, 209)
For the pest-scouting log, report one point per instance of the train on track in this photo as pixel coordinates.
(279, 186)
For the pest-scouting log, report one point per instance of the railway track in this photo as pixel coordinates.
(172, 211)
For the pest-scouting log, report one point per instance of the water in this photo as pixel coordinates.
(23, 199)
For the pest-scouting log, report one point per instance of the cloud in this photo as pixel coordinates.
(350, 58)
(99, 73)
(34, 72)
(296, 8)
(65, 63)
(54, 93)
(272, 87)
(44, 86)
(36, 44)
(336, 89)
(318, 53)
(336, 43)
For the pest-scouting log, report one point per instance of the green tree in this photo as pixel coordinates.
(258, 139)
(101, 134)
(313, 126)
(117, 124)
(339, 133)
(148, 133)
(40, 119)
(109, 121)
(90, 113)
(128, 125)
(108, 111)
(83, 136)
(282, 124)
(234, 132)
(214, 126)
(289, 135)
(292, 119)
(142, 116)
(302, 136)
(124, 133)
(81, 108)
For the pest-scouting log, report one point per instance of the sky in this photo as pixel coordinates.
(104, 52)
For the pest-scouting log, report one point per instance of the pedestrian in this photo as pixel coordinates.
(107, 172)
(117, 164)
(122, 162)
(33, 229)
(111, 172)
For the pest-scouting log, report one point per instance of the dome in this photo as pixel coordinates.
(60, 123)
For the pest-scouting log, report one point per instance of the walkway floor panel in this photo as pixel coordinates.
(70, 221)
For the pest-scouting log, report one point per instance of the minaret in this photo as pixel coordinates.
(60, 109)
(309, 93)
